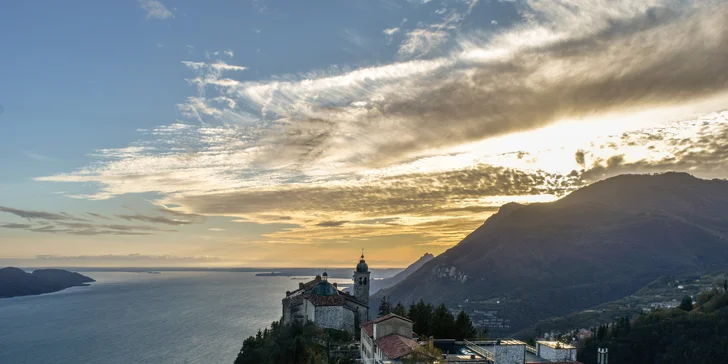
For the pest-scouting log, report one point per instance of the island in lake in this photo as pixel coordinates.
(17, 282)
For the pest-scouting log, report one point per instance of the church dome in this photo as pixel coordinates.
(362, 266)
(324, 289)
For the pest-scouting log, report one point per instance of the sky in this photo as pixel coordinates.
(267, 133)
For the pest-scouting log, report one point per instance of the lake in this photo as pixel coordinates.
(172, 317)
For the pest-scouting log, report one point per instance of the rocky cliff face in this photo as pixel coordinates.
(601, 243)
(379, 284)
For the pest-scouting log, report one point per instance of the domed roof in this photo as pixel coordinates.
(324, 288)
(362, 266)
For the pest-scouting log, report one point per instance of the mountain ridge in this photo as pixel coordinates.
(600, 243)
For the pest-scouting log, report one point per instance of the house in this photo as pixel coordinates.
(387, 339)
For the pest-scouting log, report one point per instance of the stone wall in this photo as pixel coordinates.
(286, 317)
(509, 354)
(335, 317)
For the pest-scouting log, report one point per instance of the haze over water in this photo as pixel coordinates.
(173, 317)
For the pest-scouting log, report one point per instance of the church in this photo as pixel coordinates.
(322, 303)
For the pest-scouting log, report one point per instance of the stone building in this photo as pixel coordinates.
(322, 303)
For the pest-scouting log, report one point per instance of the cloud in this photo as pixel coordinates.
(422, 41)
(38, 215)
(98, 216)
(579, 156)
(517, 81)
(16, 226)
(129, 257)
(331, 223)
(156, 219)
(88, 229)
(421, 141)
(697, 146)
(39, 157)
(155, 9)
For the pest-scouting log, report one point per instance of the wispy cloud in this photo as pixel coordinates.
(129, 257)
(155, 9)
(39, 157)
(156, 219)
(39, 215)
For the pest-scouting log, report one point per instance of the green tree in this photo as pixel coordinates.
(443, 323)
(464, 328)
(292, 344)
(400, 310)
(421, 314)
(686, 304)
(384, 307)
(484, 333)
(426, 354)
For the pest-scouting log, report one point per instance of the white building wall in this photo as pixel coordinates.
(367, 348)
(392, 326)
(552, 354)
(309, 311)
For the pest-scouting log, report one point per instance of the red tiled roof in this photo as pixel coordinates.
(389, 316)
(369, 328)
(396, 346)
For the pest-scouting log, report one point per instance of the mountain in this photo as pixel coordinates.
(598, 244)
(16, 282)
(379, 284)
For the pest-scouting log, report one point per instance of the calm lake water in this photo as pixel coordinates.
(173, 317)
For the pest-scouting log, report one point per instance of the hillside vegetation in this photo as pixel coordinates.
(671, 336)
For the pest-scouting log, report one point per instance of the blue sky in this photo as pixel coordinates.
(262, 132)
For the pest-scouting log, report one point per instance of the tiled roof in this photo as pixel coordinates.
(325, 300)
(369, 328)
(389, 316)
(396, 346)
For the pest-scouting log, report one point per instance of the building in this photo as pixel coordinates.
(387, 339)
(505, 351)
(555, 351)
(322, 303)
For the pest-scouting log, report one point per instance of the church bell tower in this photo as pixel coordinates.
(361, 281)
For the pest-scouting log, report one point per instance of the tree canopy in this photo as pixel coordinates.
(669, 336)
(437, 321)
(293, 344)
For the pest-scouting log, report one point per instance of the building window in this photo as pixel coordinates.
(361, 280)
